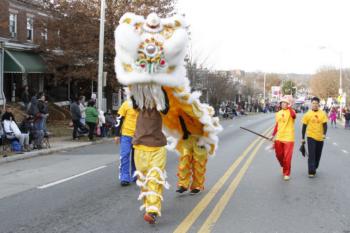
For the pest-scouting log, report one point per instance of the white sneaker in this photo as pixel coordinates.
(286, 177)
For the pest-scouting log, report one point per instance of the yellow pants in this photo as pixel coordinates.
(192, 164)
(150, 167)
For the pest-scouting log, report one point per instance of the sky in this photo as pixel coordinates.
(282, 36)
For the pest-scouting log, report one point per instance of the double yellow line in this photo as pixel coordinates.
(220, 206)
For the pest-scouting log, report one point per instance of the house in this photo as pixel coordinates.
(20, 65)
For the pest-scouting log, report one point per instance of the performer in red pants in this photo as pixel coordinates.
(284, 133)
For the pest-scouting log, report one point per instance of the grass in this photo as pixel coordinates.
(59, 128)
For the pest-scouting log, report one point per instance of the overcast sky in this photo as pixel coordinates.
(269, 35)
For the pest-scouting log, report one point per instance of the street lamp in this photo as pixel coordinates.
(264, 89)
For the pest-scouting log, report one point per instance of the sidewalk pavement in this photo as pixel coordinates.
(57, 145)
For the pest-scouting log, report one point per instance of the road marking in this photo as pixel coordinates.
(220, 206)
(70, 178)
(345, 151)
(231, 125)
(185, 225)
(335, 144)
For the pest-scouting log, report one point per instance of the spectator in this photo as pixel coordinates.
(222, 112)
(33, 109)
(76, 117)
(102, 123)
(44, 111)
(35, 136)
(347, 119)
(110, 122)
(12, 131)
(82, 109)
(91, 118)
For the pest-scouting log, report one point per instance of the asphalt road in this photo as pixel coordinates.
(77, 191)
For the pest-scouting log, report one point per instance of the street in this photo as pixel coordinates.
(77, 191)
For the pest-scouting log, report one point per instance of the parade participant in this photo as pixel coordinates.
(150, 156)
(125, 129)
(284, 133)
(149, 61)
(193, 159)
(315, 127)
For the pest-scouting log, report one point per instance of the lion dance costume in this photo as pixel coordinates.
(150, 63)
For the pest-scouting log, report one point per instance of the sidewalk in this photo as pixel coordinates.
(57, 145)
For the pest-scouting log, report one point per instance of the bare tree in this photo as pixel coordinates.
(73, 27)
(220, 88)
(325, 83)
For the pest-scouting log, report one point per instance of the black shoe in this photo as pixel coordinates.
(194, 191)
(181, 189)
(124, 183)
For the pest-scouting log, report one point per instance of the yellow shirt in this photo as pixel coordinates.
(314, 122)
(130, 116)
(285, 122)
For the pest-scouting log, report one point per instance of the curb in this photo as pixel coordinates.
(43, 152)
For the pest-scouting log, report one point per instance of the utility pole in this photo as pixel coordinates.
(100, 56)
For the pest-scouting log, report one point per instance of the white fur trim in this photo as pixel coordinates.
(142, 207)
(134, 18)
(162, 174)
(153, 209)
(148, 193)
(176, 78)
(127, 41)
(143, 180)
(210, 124)
(144, 183)
(139, 174)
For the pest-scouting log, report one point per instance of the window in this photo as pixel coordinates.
(30, 28)
(13, 25)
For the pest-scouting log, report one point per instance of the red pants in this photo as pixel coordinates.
(284, 152)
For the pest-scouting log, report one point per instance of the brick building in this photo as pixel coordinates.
(19, 37)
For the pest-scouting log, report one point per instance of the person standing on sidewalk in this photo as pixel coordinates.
(347, 118)
(91, 118)
(44, 111)
(76, 116)
(333, 117)
(82, 109)
(315, 127)
(284, 133)
(125, 129)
